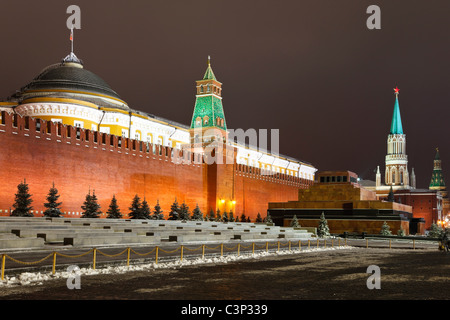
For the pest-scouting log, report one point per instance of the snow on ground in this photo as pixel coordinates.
(38, 278)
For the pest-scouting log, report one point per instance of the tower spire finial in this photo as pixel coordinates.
(396, 91)
(209, 61)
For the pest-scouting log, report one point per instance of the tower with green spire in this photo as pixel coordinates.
(396, 173)
(437, 178)
(396, 123)
(208, 120)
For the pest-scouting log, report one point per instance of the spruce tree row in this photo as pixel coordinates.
(137, 210)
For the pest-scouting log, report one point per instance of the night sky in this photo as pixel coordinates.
(309, 68)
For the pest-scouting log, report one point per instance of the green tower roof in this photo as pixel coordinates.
(209, 74)
(396, 124)
(437, 178)
(208, 110)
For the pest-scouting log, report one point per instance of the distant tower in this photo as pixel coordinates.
(378, 177)
(208, 120)
(396, 173)
(437, 178)
(413, 179)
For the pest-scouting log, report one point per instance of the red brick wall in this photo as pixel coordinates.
(76, 163)
(253, 191)
(424, 205)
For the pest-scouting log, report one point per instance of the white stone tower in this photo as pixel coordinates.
(396, 173)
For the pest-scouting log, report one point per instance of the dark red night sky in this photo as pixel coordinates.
(309, 68)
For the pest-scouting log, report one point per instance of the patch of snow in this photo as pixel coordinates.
(38, 278)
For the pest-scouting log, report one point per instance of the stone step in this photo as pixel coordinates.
(20, 243)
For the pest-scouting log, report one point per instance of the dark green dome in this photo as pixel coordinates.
(70, 76)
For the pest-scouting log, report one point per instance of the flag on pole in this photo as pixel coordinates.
(71, 34)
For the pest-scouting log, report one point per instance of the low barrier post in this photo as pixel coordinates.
(156, 255)
(239, 249)
(181, 258)
(267, 246)
(94, 258)
(367, 243)
(253, 248)
(221, 250)
(289, 245)
(203, 252)
(299, 245)
(128, 257)
(278, 246)
(3, 266)
(54, 263)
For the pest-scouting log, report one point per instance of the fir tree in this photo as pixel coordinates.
(237, 219)
(391, 197)
(197, 214)
(385, 229)
(136, 208)
(212, 215)
(145, 210)
(22, 205)
(218, 216)
(294, 222)
(184, 212)
(269, 218)
(323, 230)
(113, 210)
(231, 218)
(225, 217)
(174, 211)
(243, 218)
(157, 212)
(52, 204)
(248, 219)
(435, 231)
(401, 232)
(91, 208)
(258, 218)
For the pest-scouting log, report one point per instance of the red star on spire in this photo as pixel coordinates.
(396, 90)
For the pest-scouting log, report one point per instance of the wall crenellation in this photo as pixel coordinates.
(15, 124)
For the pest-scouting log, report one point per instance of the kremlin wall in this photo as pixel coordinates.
(68, 127)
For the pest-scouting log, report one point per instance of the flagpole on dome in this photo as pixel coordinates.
(72, 57)
(71, 39)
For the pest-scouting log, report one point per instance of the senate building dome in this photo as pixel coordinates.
(69, 79)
